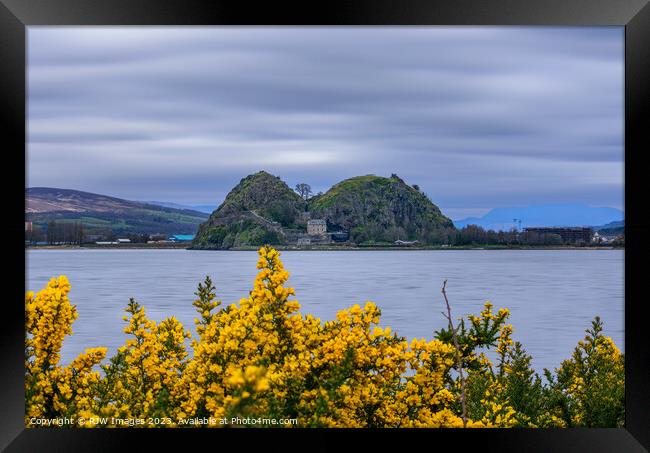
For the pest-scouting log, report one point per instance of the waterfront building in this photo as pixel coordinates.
(571, 235)
(181, 238)
(400, 242)
(340, 236)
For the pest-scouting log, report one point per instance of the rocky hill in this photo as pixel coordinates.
(263, 209)
(378, 209)
(101, 213)
(255, 212)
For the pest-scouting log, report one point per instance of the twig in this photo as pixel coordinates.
(458, 356)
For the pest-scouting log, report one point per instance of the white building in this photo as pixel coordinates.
(400, 242)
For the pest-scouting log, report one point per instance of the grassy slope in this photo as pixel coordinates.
(369, 206)
(358, 185)
(99, 213)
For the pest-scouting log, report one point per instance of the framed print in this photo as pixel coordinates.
(337, 219)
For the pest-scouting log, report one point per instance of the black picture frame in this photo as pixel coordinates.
(634, 15)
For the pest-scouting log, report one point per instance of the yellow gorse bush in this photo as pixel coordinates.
(52, 390)
(262, 358)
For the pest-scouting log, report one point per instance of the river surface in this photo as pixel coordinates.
(552, 294)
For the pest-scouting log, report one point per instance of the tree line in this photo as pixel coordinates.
(75, 233)
(468, 235)
(476, 235)
(57, 233)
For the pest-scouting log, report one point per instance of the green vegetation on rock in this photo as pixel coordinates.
(377, 209)
(242, 232)
(253, 213)
(262, 209)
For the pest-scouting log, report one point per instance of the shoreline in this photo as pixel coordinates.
(99, 247)
(310, 248)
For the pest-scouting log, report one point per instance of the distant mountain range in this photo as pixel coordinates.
(206, 208)
(100, 213)
(574, 214)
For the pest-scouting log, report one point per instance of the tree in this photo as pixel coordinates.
(81, 233)
(29, 233)
(304, 190)
(51, 232)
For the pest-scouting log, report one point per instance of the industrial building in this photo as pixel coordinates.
(181, 238)
(571, 235)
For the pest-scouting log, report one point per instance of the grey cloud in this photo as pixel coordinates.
(479, 117)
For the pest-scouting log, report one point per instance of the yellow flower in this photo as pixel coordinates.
(262, 356)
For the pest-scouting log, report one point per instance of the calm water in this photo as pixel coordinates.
(552, 295)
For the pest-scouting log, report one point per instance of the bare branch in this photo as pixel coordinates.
(459, 364)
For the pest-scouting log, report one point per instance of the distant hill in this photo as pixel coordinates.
(102, 213)
(263, 209)
(611, 229)
(544, 215)
(617, 224)
(205, 208)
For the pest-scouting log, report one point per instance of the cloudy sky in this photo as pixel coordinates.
(478, 117)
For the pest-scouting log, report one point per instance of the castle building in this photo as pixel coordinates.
(316, 226)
